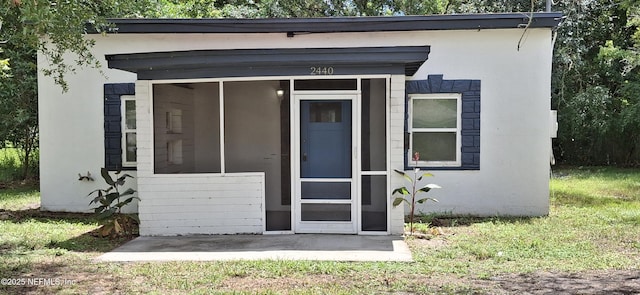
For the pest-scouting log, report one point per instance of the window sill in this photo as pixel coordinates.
(442, 168)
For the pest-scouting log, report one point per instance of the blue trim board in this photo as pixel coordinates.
(470, 133)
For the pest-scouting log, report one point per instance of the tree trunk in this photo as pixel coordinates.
(26, 149)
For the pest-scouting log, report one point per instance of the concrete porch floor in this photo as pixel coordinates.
(262, 247)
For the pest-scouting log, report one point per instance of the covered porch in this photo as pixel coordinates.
(222, 152)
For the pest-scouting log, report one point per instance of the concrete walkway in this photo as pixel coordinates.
(262, 247)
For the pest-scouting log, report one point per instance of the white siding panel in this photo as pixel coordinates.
(196, 187)
(202, 197)
(201, 204)
(207, 208)
(229, 219)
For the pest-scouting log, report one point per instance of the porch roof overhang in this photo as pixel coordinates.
(271, 62)
(293, 26)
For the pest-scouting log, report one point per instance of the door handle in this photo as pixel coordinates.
(304, 157)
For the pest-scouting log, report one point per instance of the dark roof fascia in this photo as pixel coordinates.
(270, 62)
(339, 24)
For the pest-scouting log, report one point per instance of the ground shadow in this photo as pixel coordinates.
(90, 241)
(445, 220)
(23, 215)
(580, 199)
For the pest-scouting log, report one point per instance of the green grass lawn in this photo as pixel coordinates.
(594, 225)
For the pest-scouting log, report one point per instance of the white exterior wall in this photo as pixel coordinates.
(72, 138)
(515, 98)
(514, 131)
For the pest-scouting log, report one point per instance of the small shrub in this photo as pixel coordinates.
(111, 201)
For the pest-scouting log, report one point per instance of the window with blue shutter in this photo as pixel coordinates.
(113, 124)
(436, 135)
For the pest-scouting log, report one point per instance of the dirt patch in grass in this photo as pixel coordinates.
(92, 281)
(281, 284)
(539, 282)
(430, 243)
(592, 282)
(397, 283)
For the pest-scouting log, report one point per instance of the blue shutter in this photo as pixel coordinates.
(112, 123)
(470, 131)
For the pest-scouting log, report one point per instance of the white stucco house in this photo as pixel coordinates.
(296, 125)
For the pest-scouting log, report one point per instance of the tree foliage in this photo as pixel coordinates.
(595, 81)
(56, 29)
(18, 98)
(293, 8)
(595, 78)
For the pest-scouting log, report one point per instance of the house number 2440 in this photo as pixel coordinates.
(321, 70)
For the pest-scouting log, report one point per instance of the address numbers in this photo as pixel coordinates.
(321, 70)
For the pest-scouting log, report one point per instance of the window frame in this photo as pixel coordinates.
(457, 130)
(125, 130)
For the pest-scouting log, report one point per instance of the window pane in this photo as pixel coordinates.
(435, 113)
(374, 127)
(186, 122)
(326, 84)
(435, 146)
(326, 212)
(130, 152)
(130, 114)
(374, 203)
(326, 190)
(325, 112)
(257, 138)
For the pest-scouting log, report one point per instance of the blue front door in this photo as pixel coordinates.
(325, 195)
(325, 139)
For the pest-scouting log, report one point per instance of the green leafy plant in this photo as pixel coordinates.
(110, 201)
(410, 195)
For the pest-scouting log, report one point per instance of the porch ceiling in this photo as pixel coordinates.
(271, 62)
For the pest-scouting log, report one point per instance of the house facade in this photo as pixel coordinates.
(296, 125)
